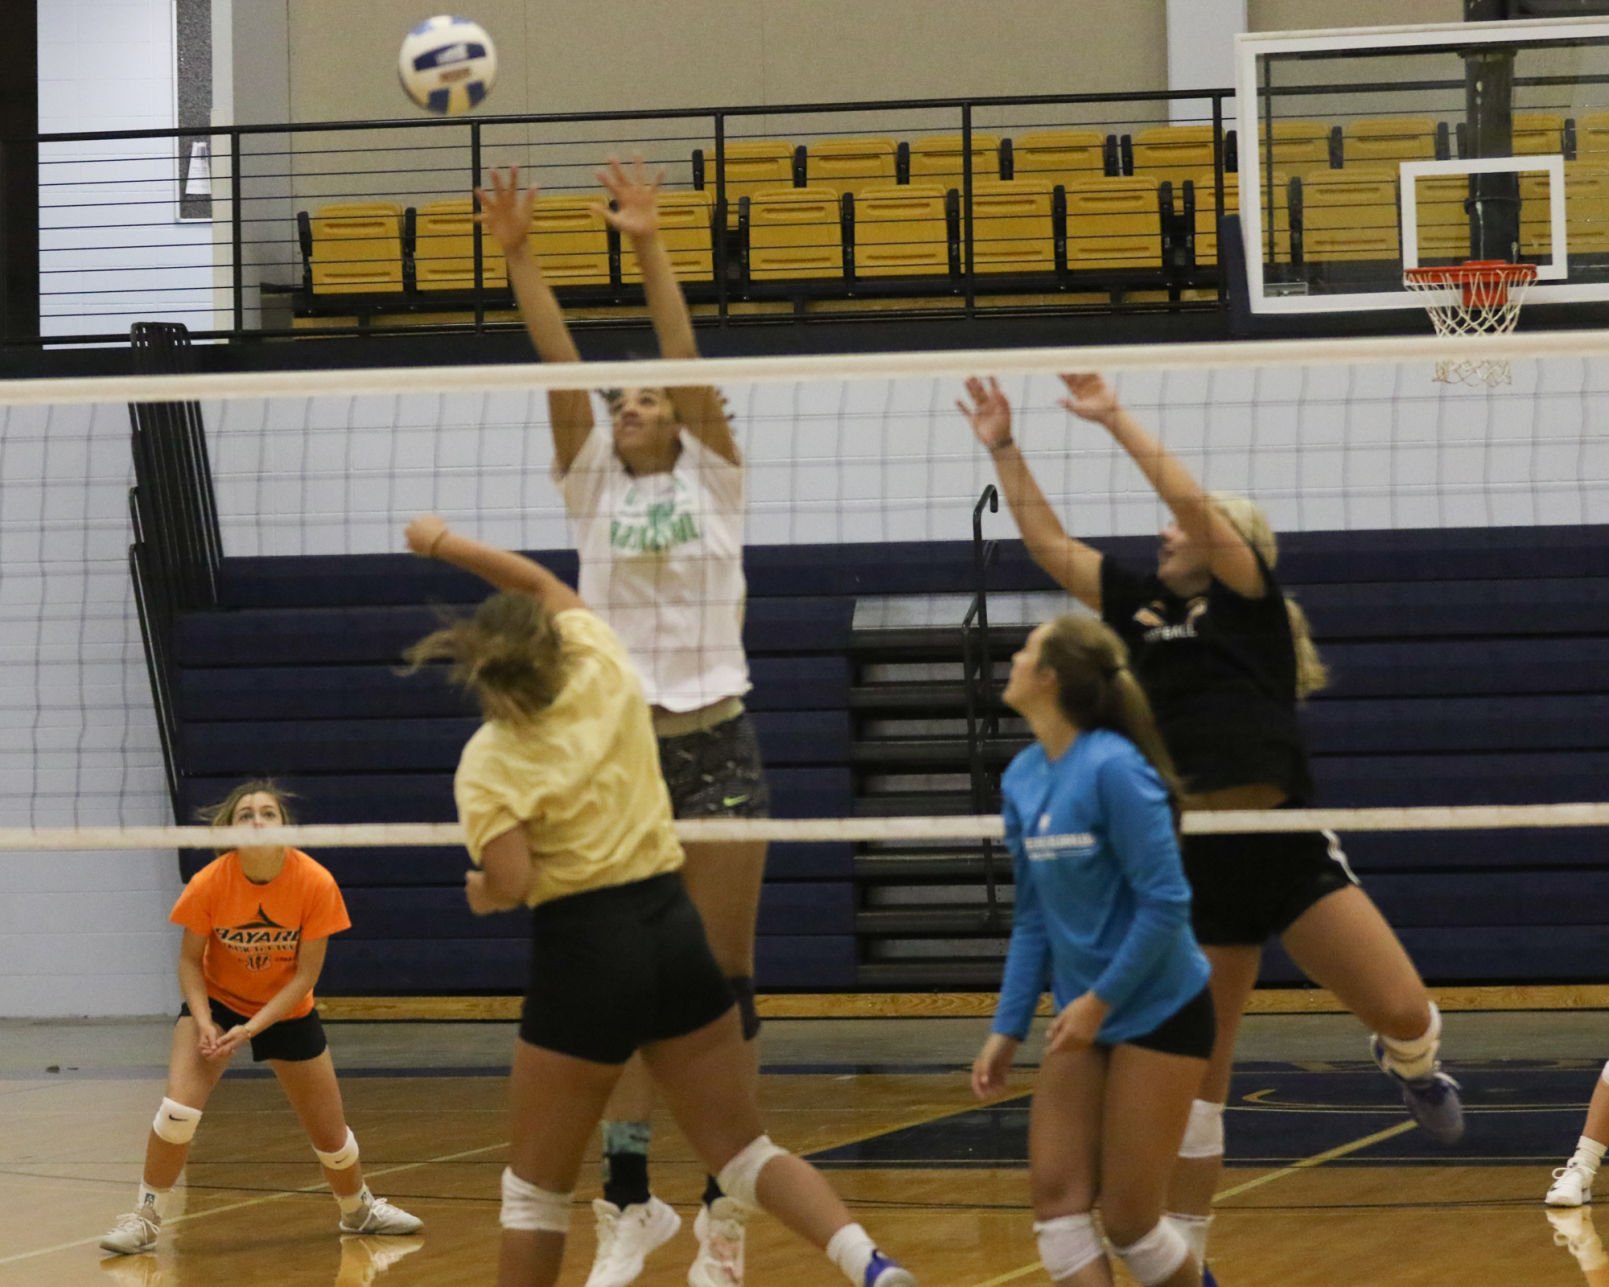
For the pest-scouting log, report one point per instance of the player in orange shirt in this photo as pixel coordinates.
(256, 924)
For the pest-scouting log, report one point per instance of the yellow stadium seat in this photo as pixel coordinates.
(1113, 223)
(571, 241)
(937, 159)
(750, 166)
(795, 233)
(901, 232)
(1206, 225)
(1349, 215)
(1298, 145)
(684, 231)
(850, 165)
(1592, 134)
(1013, 228)
(1586, 211)
(1538, 134)
(1394, 138)
(1443, 220)
(1059, 156)
(444, 249)
(357, 248)
(1172, 152)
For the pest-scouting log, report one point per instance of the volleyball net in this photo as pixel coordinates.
(1447, 544)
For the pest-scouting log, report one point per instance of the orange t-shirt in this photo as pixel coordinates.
(254, 932)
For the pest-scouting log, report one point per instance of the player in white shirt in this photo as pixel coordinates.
(658, 507)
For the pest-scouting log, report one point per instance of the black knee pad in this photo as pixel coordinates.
(742, 986)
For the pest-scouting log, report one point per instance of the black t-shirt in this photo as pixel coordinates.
(1220, 670)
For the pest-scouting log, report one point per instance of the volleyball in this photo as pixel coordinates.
(447, 64)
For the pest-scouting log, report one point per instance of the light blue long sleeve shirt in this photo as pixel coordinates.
(1102, 903)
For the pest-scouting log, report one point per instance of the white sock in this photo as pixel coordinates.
(1588, 1155)
(353, 1201)
(851, 1250)
(1416, 1057)
(1193, 1229)
(153, 1199)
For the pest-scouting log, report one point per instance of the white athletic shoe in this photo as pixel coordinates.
(720, 1229)
(377, 1216)
(1572, 1186)
(625, 1239)
(133, 1233)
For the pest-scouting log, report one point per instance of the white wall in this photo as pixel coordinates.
(112, 250)
(80, 933)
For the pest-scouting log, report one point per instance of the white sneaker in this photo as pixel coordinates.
(1572, 1186)
(626, 1237)
(377, 1216)
(720, 1229)
(133, 1233)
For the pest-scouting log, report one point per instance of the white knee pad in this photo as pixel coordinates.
(1204, 1136)
(344, 1158)
(739, 1176)
(175, 1122)
(529, 1209)
(1156, 1257)
(1067, 1244)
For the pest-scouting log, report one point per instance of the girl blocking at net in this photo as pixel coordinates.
(256, 924)
(1102, 909)
(658, 508)
(565, 810)
(1225, 658)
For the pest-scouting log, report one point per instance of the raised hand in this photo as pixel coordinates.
(990, 413)
(636, 197)
(1091, 397)
(505, 209)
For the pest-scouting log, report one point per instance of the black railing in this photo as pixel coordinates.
(239, 275)
(176, 551)
(977, 682)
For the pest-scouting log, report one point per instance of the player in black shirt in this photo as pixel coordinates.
(1225, 658)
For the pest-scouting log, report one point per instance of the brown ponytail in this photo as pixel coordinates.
(1248, 518)
(1096, 689)
(507, 654)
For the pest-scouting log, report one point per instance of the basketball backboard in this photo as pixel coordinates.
(1366, 151)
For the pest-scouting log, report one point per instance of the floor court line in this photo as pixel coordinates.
(1305, 1164)
(320, 1187)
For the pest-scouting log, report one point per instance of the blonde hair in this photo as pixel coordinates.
(507, 654)
(1248, 518)
(1096, 689)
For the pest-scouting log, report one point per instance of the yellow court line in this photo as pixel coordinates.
(258, 1201)
(1306, 1163)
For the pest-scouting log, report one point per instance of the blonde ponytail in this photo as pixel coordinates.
(507, 654)
(1248, 518)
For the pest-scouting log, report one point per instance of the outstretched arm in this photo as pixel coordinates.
(505, 214)
(636, 214)
(1230, 559)
(1075, 566)
(429, 537)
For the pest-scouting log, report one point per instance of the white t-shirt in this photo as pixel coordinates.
(662, 563)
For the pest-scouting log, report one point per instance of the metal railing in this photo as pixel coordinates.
(982, 703)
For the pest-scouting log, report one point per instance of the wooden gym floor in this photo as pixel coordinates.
(1329, 1184)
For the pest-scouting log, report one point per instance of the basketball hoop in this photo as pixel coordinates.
(1479, 297)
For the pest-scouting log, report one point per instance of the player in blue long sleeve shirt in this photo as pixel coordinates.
(1102, 916)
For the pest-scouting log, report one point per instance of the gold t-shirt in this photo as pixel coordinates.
(582, 780)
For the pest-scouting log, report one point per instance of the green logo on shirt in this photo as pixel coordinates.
(662, 528)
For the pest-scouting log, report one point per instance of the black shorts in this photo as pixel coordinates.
(716, 772)
(614, 969)
(1190, 1030)
(1246, 889)
(293, 1040)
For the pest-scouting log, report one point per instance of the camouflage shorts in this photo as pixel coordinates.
(716, 772)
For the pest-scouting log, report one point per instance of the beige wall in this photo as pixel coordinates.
(1317, 15)
(572, 55)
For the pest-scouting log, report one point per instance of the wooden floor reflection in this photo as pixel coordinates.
(249, 1213)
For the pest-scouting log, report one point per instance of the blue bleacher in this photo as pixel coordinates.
(1471, 666)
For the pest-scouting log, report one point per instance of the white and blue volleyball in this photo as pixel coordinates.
(447, 64)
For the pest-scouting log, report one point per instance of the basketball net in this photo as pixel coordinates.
(1478, 297)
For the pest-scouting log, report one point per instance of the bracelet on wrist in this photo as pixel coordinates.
(1007, 441)
(436, 544)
